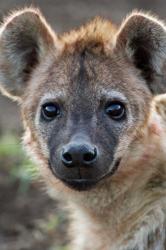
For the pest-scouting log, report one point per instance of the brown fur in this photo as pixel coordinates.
(126, 210)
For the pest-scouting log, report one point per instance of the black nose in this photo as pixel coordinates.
(74, 155)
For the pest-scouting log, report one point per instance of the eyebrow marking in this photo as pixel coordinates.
(114, 94)
(51, 96)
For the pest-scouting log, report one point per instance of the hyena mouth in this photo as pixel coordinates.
(115, 166)
(79, 184)
(83, 184)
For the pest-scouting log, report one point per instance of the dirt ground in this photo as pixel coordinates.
(29, 219)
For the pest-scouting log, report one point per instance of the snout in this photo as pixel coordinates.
(80, 164)
(79, 157)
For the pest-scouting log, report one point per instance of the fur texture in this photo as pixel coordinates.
(83, 71)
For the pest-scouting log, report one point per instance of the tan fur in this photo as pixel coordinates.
(127, 210)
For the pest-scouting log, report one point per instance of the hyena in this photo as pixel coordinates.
(93, 122)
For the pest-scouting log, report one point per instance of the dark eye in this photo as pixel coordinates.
(50, 111)
(115, 110)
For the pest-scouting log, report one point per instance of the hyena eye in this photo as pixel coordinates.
(115, 110)
(50, 111)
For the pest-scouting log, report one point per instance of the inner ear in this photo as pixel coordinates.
(142, 57)
(29, 49)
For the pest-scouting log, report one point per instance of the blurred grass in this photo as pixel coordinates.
(9, 145)
(19, 166)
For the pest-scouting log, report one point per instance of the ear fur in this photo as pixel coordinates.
(143, 38)
(159, 106)
(25, 38)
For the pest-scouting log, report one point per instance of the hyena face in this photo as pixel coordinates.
(85, 96)
(85, 114)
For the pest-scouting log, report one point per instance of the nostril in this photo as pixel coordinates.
(67, 158)
(90, 156)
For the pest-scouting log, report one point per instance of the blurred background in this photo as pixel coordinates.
(29, 219)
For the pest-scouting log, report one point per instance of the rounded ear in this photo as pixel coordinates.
(143, 39)
(25, 38)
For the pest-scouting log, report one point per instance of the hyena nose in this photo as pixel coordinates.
(82, 155)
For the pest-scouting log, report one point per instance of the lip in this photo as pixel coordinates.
(80, 184)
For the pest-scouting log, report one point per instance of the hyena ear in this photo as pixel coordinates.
(25, 38)
(143, 38)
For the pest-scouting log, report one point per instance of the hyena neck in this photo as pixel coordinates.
(129, 223)
(132, 219)
(149, 233)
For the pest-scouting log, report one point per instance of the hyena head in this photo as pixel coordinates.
(85, 96)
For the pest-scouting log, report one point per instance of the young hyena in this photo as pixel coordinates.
(92, 122)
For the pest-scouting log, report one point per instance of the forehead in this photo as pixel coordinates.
(84, 72)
